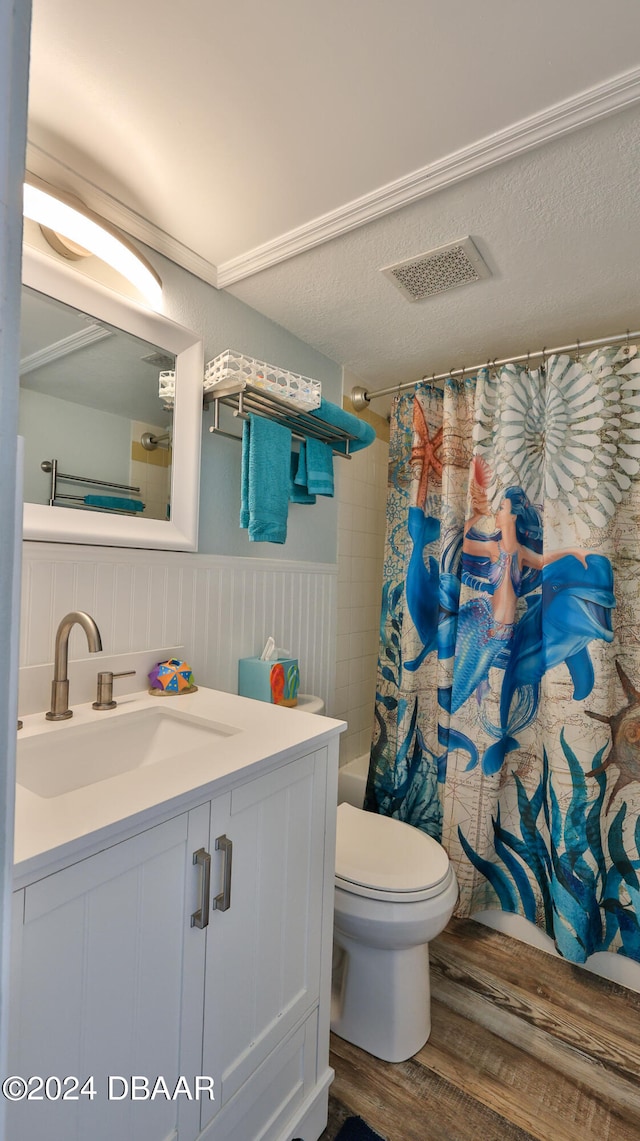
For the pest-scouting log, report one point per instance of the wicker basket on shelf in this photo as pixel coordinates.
(231, 371)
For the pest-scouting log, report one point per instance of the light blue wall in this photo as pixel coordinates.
(226, 323)
(92, 443)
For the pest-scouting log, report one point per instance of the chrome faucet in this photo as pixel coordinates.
(60, 685)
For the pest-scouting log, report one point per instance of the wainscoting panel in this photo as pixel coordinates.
(219, 609)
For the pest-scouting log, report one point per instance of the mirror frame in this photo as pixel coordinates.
(69, 525)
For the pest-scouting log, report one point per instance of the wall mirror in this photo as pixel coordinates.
(124, 467)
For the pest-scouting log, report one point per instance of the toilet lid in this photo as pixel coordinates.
(385, 854)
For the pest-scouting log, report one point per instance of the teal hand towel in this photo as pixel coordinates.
(333, 414)
(298, 482)
(113, 503)
(266, 465)
(319, 467)
(244, 478)
(300, 476)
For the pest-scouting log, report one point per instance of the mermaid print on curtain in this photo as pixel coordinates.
(508, 696)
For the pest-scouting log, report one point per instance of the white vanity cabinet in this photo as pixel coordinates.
(111, 977)
(97, 986)
(263, 967)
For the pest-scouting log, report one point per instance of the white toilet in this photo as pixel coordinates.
(395, 890)
(308, 703)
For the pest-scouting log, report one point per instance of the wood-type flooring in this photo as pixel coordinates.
(523, 1046)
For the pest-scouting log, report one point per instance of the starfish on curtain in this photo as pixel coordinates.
(625, 737)
(423, 453)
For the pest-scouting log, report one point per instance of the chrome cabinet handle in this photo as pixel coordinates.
(222, 902)
(200, 918)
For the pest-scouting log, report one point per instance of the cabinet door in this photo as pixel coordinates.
(97, 986)
(263, 953)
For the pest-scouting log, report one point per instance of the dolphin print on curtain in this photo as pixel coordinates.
(507, 720)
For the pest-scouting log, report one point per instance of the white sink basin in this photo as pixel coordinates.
(74, 756)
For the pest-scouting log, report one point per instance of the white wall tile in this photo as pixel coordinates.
(342, 647)
(361, 491)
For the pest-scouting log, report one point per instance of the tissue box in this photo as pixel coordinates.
(276, 681)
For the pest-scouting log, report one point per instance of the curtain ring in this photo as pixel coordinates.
(577, 350)
(543, 366)
(626, 350)
(528, 365)
(394, 402)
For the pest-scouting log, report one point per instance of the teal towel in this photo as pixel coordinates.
(266, 465)
(319, 468)
(300, 476)
(298, 482)
(333, 414)
(113, 503)
(244, 479)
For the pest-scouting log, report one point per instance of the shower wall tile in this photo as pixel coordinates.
(361, 488)
(219, 609)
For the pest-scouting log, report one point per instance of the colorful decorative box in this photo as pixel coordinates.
(170, 678)
(277, 681)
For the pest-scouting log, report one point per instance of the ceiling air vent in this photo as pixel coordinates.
(445, 268)
(160, 360)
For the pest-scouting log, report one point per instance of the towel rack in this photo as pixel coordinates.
(263, 403)
(51, 466)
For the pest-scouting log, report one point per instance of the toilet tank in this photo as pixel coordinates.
(352, 781)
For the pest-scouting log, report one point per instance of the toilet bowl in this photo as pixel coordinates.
(395, 890)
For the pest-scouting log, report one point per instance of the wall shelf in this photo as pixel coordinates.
(51, 467)
(303, 425)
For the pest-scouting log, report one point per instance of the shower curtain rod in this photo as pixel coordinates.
(361, 397)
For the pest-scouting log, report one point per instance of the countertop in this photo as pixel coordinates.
(53, 831)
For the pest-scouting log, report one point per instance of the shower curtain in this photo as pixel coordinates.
(507, 719)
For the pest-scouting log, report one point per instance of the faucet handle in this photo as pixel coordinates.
(104, 695)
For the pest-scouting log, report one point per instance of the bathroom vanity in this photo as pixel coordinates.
(172, 920)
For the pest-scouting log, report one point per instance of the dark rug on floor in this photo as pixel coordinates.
(355, 1129)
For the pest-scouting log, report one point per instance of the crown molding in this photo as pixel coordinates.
(561, 119)
(570, 115)
(58, 349)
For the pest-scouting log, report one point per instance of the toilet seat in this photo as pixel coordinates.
(383, 858)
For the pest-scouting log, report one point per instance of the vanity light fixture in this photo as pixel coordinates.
(74, 231)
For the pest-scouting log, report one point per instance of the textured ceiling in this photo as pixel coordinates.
(217, 129)
(558, 228)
